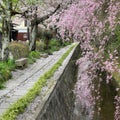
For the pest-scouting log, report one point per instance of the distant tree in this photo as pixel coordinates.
(7, 10)
(93, 23)
(27, 9)
(33, 15)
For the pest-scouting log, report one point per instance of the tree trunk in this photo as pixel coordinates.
(33, 36)
(33, 33)
(34, 26)
(5, 38)
(6, 19)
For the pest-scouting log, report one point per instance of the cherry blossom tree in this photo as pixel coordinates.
(35, 15)
(93, 23)
(27, 9)
(7, 10)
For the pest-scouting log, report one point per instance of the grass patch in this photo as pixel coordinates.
(2, 86)
(5, 71)
(33, 55)
(21, 104)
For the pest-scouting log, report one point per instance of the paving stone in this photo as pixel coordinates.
(3, 92)
(2, 111)
(12, 99)
(5, 105)
(20, 92)
(23, 80)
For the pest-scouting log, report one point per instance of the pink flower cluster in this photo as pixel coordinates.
(89, 22)
(117, 112)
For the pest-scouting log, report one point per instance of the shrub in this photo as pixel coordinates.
(11, 64)
(65, 43)
(33, 56)
(2, 65)
(2, 85)
(1, 81)
(54, 42)
(1, 78)
(5, 73)
(49, 52)
(18, 50)
(54, 45)
(40, 46)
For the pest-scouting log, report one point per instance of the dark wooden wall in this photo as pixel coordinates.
(22, 36)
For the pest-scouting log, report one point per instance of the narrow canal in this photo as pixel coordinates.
(62, 103)
(104, 107)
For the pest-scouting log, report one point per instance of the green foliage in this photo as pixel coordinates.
(6, 74)
(18, 50)
(40, 46)
(2, 86)
(1, 81)
(117, 33)
(33, 55)
(116, 76)
(54, 42)
(31, 61)
(22, 103)
(11, 64)
(46, 35)
(113, 43)
(49, 52)
(5, 71)
(34, 2)
(8, 65)
(54, 45)
(65, 43)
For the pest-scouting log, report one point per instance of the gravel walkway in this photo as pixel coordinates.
(23, 80)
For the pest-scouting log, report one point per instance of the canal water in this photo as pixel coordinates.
(107, 101)
(104, 107)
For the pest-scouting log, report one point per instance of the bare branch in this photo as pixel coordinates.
(41, 19)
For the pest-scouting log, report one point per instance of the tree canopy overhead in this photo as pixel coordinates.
(29, 10)
(95, 24)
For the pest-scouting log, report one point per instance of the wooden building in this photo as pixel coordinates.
(22, 34)
(22, 29)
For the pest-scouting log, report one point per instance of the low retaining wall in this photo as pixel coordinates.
(60, 104)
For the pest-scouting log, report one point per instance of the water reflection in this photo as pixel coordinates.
(104, 107)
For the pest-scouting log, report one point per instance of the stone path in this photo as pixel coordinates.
(23, 80)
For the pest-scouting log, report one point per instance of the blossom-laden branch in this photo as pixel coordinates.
(93, 23)
(41, 19)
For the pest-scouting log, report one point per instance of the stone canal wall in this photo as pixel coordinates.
(60, 103)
